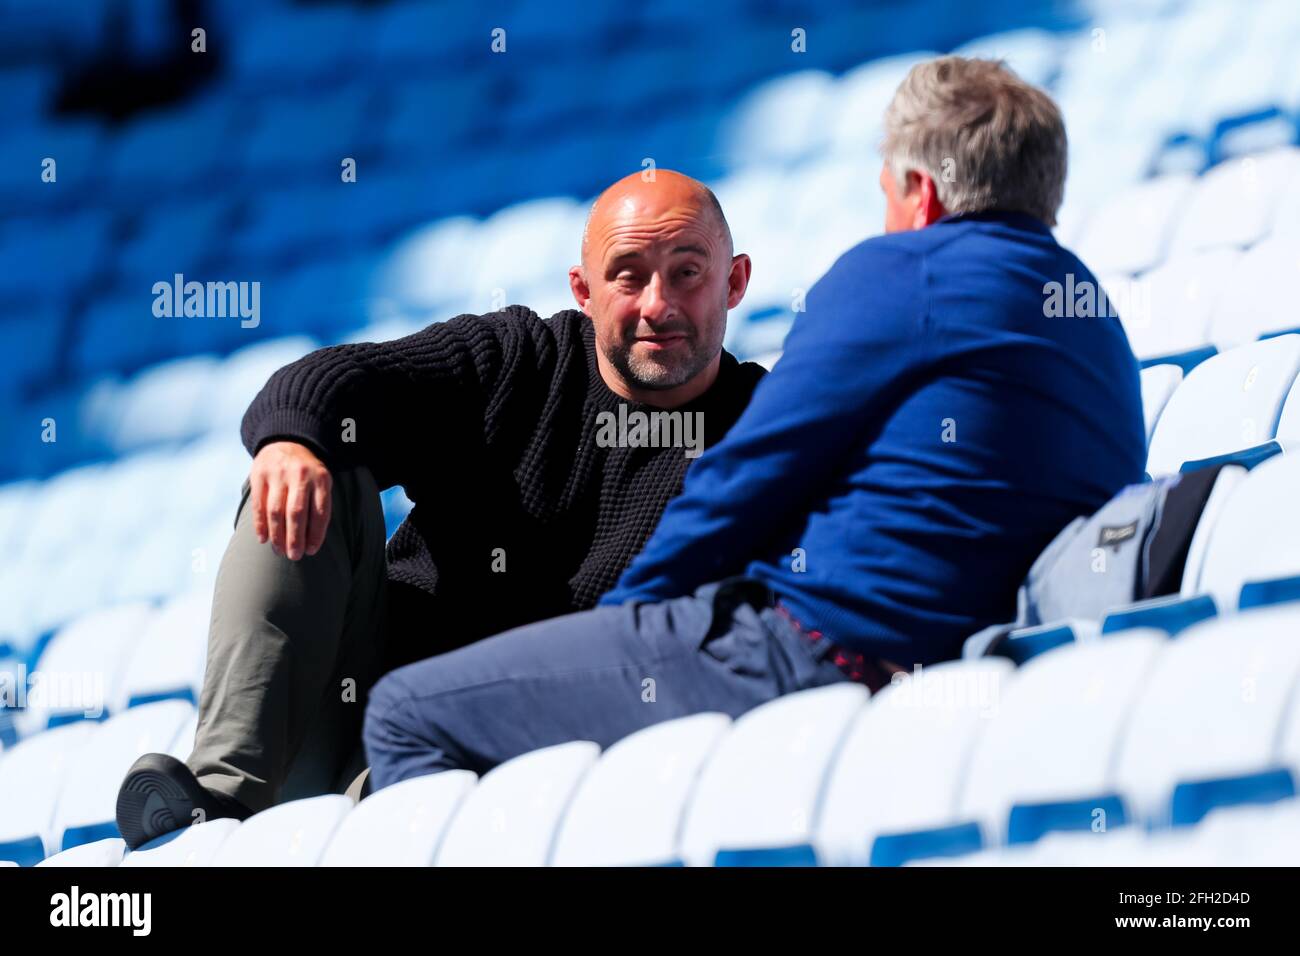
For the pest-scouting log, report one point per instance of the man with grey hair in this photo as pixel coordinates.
(926, 433)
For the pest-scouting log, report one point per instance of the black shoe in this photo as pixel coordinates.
(160, 794)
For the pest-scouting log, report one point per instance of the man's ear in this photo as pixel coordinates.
(738, 279)
(578, 286)
(928, 208)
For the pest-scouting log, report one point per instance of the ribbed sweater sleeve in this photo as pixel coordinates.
(391, 405)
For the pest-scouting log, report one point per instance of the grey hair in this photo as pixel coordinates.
(988, 139)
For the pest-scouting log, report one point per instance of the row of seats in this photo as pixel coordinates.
(1098, 738)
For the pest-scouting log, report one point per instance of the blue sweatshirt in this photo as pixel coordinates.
(933, 422)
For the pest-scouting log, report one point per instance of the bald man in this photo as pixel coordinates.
(539, 455)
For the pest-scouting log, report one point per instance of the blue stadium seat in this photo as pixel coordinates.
(298, 48)
(76, 148)
(167, 152)
(183, 238)
(50, 258)
(306, 138)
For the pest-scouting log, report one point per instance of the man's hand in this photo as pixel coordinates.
(290, 489)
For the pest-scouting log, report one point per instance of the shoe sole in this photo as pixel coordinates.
(152, 802)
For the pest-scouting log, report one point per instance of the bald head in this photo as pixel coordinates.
(667, 195)
(657, 278)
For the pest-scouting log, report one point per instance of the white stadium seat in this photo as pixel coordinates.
(1177, 302)
(288, 834)
(106, 852)
(1233, 204)
(510, 818)
(1255, 535)
(1228, 403)
(781, 121)
(1043, 762)
(194, 845)
(1158, 384)
(401, 825)
(87, 805)
(31, 775)
(83, 665)
(1131, 232)
(1207, 723)
(892, 792)
(757, 796)
(628, 809)
(1259, 299)
(169, 659)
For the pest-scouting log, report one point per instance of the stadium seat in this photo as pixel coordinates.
(194, 845)
(1233, 204)
(1254, 537)
(163, 403)
(324, 48)
(1228, 403)
(87, 805)
(1259, 301)
(31, 776)
(756, 800)
(891, 793)
(168, 661)
(85, 661)
(510, 818)
(288, 834)
(179, 237)
(1158, 384)
(243, 373)
(628, 809)
(105, 852)
(1131, 232)
(1177, 302)
(858, 111)
(782, 121)
(1034, 54)
(401, 825)
(1043, 762)
(1206, 727)
(168, 151)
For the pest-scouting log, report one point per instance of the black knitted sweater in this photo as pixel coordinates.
(490, 425)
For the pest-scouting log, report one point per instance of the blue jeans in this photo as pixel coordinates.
(597, 675)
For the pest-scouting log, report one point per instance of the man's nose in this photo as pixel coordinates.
(655, 303)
